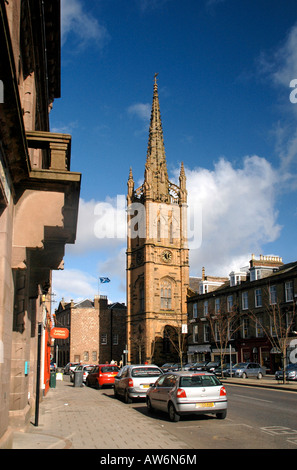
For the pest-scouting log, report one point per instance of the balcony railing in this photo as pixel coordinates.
(49, 151)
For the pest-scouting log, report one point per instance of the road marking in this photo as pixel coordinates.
(278, 430)
(252, 398)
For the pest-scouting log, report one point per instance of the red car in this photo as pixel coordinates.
(103, 374)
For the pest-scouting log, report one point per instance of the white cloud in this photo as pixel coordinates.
(141, 110)
(73, 284)
(238, 213)
(101, 225)
(280, 67)
(81, 24)
(284, 66)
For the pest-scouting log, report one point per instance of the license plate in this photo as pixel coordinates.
(146, 386)
(205, 405)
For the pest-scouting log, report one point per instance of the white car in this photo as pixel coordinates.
(133, 381)
(187, 392)
(86, 368)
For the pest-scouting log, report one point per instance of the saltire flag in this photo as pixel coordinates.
(103, 280)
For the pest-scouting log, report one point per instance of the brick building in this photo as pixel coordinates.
(97, 331)
(39, 198)
(259, 301)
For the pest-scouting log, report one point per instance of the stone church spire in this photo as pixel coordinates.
(156, 176)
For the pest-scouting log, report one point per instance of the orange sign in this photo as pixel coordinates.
(59, 333)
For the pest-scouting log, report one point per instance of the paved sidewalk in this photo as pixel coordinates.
(85, 418)
(268, 381)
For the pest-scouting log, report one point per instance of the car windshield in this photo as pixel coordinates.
(199, 381)
(89, 368)
(109, 369)
(240, 364)
(145, 372)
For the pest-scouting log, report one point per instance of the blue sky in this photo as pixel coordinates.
(225, 69)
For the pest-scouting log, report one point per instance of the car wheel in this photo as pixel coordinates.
(128, 400)
(260, 375)
(173, 416)
(150, 409)
(244, 376)
(222, 414)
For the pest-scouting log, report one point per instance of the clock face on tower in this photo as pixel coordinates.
(166, 256)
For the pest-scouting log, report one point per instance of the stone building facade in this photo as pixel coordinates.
(260, 304)
(97, 331)
(157, 254)
(39, 198)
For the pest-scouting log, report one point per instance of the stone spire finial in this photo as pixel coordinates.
(183, 193)
(130, 186)
(156, 168)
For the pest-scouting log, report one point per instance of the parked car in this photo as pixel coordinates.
(166, 367)
(198, 365)
(291, 373)
(102, 374)
(247, 369)
(70, 366)
(218, 370)
(133, 381)
(188, 392)
(178, 366)
(210, 366)
(86, 368)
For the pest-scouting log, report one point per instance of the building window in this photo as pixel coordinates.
(259, 329)
(94, 356)
(141, 295)
(258, 298)
(195, 310)
(229, 303)
(195, 334)
(86, 356)
(217, 305)
(206, 331)
(205, 308)
(115, 339)
(245, 328)
(272, 295)
(272, 327)
(171, 233)
(217, 332)
(245, 301)
(289, 291)
(166, 295)
(103, 338)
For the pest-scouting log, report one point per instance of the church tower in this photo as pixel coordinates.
(157, 255)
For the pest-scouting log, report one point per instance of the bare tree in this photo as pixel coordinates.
(138, 342)
(223, 324)
(276, 323)
(177, 334)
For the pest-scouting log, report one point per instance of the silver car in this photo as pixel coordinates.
(133, 381)
(248, 369)
(188, 392)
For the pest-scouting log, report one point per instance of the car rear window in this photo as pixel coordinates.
(145, 372)
(199, 381)
(109, 369)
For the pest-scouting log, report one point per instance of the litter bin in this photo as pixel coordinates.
(53, 380)
(78, 378)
